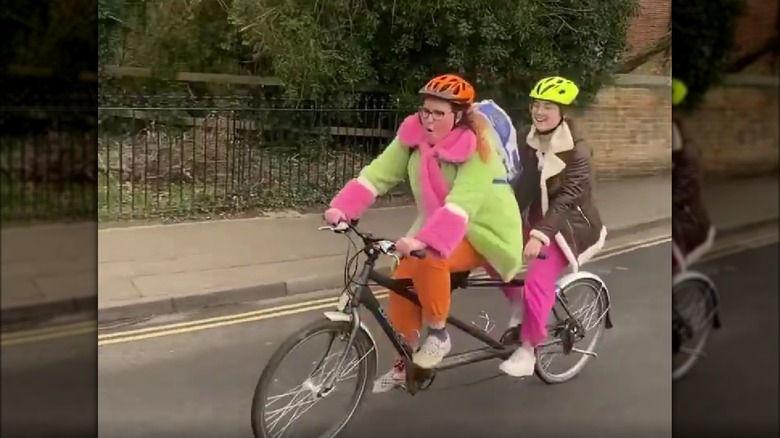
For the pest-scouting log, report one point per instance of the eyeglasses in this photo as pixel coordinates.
(436, 115)
(542, 106)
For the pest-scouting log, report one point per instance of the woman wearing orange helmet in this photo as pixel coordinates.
(467, 216)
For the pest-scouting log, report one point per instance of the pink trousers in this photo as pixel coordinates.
(538, 294)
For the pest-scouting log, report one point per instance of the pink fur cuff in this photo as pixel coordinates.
(354, 199)
(443, 231)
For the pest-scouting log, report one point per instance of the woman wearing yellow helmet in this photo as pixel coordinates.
(554, 193)
(679, 91)
(692, 232)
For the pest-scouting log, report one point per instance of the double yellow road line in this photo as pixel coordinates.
(105, 339)
(290, 309)
(48, 333)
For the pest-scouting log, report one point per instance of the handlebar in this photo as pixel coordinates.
(386, 246)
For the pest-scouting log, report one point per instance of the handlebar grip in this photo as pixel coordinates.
(420, 253)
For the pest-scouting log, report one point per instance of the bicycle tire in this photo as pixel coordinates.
(708, 294)
(366, 371)
(572, 372)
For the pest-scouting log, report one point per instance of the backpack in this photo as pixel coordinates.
(506, 133)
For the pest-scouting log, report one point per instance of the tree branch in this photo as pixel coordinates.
(637, 60)
(746, 60)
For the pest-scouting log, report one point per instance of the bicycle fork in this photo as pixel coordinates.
(330, 382)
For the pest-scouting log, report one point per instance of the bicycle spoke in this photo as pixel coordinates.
(306, 395)
(277, 397)
(354, 364)
(587, 310)
(283, 411)
(693, 352)
(298, 414)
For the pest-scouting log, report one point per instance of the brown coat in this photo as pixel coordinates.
(692, 231)
(557, 201)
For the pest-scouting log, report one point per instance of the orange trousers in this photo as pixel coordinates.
(431, 278)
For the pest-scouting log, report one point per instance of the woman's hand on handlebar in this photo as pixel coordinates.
(334, 216)
(408, 246)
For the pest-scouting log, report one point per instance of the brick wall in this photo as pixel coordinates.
(650, 24)
(736, 128)
(628, 127)
(757, 24)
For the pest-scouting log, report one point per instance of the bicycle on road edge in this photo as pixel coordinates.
(345, 323)
(692, 324)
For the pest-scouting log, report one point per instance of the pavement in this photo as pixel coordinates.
(175, 268)
(164, 269)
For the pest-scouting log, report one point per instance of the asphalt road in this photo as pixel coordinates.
(49, 388)
(734, 390)
(200, 384)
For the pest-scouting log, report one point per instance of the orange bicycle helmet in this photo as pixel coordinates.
(450, 87)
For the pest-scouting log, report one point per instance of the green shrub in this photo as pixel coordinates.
(703, 37)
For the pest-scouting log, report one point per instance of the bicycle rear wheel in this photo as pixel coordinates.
(590, 317)
(273, 418)
(696, 305)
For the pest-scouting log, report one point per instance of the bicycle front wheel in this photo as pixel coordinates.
(278, 414)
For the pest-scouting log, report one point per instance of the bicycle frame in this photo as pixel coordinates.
(350, 302)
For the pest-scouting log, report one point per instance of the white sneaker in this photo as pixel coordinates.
(393, 379)
(520, 364)
(432, 352)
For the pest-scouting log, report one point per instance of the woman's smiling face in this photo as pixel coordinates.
(545, 115)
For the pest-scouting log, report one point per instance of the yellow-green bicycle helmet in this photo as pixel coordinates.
(555, 89)
(679, 91)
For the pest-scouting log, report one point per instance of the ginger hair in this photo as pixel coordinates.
(481, 128)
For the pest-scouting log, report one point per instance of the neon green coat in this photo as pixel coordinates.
(457, 194)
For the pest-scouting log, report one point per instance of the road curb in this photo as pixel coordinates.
(39, 312)
(300, 288)
(289, 291)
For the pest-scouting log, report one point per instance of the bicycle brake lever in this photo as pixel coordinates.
(340, 228)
